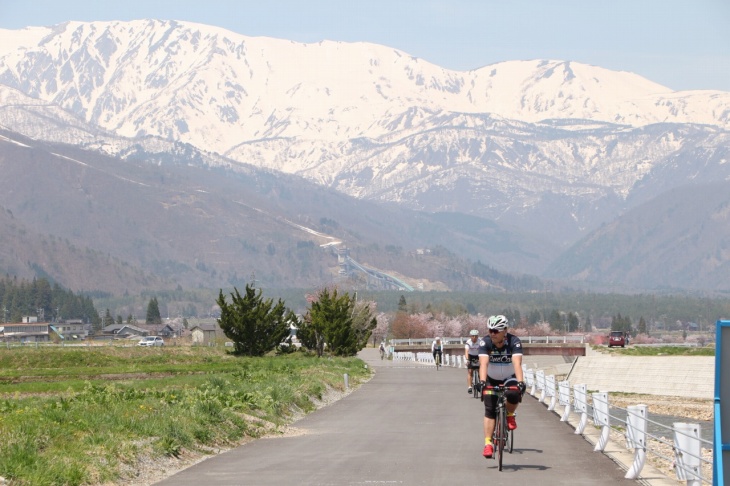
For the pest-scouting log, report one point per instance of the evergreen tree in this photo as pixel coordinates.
(256, 326)
(108, 319)
(619, 323)
(153, 312)
(641, 327)
(588, 327)
(402, 306)
(556, 321)
(534, 317)
(572, 322)
(335, 323)
(363, 323)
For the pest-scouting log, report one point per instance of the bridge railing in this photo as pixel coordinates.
(687, 452)
(425, 357)
(569, 338)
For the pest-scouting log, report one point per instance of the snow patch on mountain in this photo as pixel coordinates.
(528, 140)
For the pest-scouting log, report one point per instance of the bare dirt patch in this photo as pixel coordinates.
(689, 408)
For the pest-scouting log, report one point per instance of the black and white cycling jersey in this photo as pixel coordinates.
(500, 359)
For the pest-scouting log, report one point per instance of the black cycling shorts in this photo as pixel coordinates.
(490, 401)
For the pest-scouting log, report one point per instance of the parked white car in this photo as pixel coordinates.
(151, 341)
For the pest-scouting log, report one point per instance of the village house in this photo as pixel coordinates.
(123, 331)
(204, 333)
(71, 329)
(27, 332)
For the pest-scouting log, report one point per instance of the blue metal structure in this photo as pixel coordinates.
(721, 446)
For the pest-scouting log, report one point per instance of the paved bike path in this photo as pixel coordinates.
(409, 425)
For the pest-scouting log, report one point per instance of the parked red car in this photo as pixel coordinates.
(617, 338)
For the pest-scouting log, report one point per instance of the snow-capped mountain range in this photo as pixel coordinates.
(552, 146)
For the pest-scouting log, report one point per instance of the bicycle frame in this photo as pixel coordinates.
(475, 382)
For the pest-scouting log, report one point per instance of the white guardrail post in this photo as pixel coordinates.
(636, 438)
(687, 453)
(564, 399)
(550, 391)
(540, 378)
(601, 419)
(529, 375)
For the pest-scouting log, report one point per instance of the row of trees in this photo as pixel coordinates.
(335, 322)
(48, 302)
(431, 324)
(153, 316)
(660, 311)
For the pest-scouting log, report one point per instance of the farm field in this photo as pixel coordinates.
(96, 415)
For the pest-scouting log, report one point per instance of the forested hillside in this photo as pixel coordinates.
(49, 302)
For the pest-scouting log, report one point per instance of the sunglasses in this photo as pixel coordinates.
(494, 331)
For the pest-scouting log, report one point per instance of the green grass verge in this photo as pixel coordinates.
(664, 351)
(57, 428)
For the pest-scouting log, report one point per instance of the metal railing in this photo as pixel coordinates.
(687, 453)
(425, 357)
(569, 338)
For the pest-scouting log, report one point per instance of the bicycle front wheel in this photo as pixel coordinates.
(501, 428)
(510, 440)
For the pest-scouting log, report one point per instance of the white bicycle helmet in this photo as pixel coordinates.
(498, 323)
(473, 332)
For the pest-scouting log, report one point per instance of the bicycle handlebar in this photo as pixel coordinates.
(502, 388)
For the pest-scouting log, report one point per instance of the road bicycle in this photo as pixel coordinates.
(502, 438)
(438, 361)
(475, 386)
(382, 353)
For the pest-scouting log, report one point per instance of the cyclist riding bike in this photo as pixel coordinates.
(471, 357)
(437, 348)
(382, 350)
(500, 362)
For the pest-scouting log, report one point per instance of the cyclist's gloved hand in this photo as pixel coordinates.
(482, 386)
(521, 385)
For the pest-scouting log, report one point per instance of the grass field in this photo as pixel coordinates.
(74, 416)
(665, 350)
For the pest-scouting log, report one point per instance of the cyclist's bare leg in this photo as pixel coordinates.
(469, 372)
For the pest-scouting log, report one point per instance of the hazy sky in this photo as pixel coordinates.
(682, 44)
